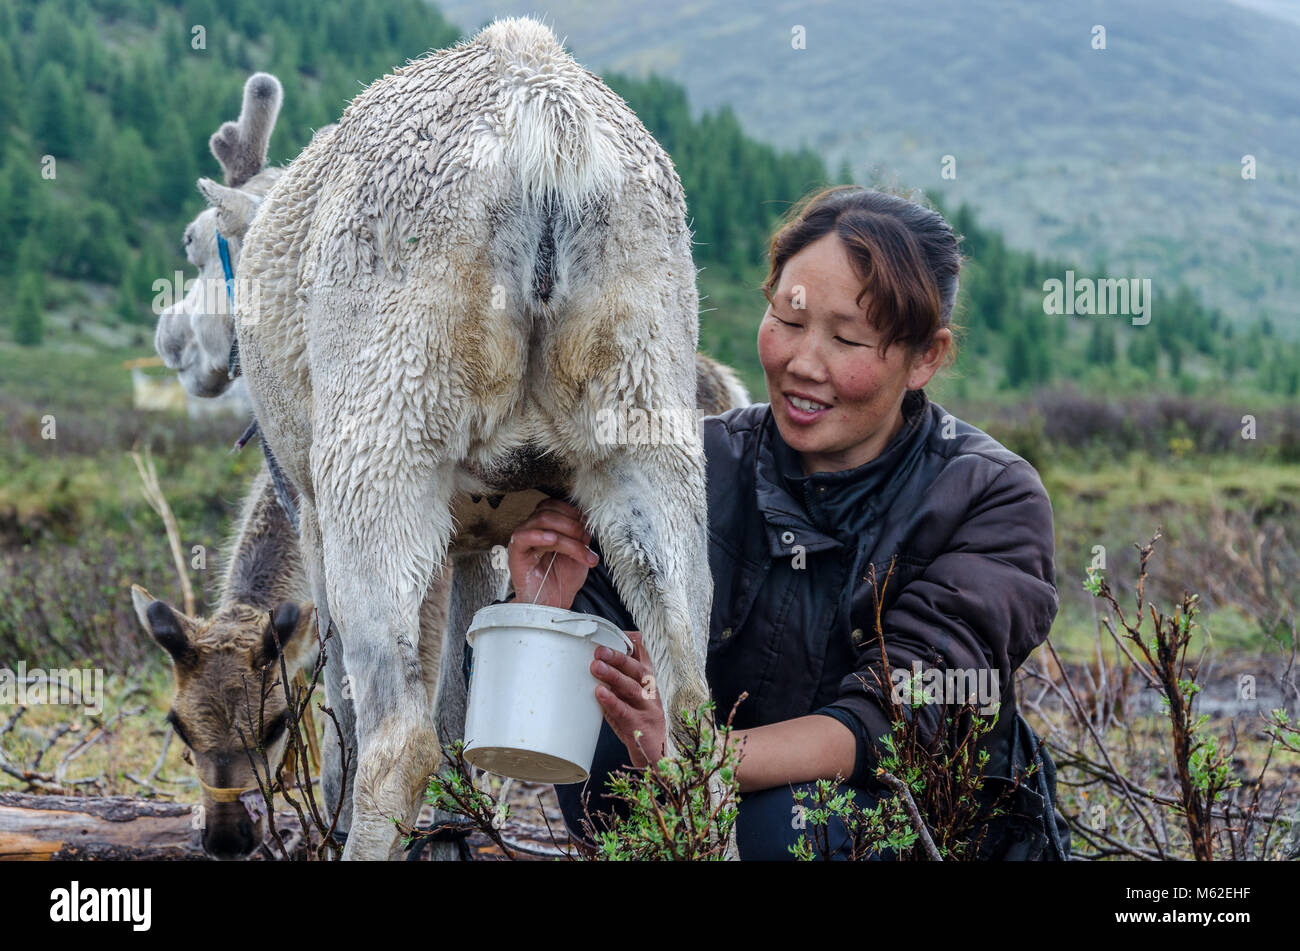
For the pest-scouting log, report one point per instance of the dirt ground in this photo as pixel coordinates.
(525, 831)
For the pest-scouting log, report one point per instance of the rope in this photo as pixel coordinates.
(545, 576)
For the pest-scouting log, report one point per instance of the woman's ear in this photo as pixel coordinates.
(926, 364)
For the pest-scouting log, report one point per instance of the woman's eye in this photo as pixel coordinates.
(852, 343)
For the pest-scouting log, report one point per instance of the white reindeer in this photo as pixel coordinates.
(194, 334)
(435, 303)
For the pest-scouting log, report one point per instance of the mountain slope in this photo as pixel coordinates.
(1132, 152)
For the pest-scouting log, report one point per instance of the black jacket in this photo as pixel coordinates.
(966, 521)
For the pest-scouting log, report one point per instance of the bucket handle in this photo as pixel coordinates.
(631, 648)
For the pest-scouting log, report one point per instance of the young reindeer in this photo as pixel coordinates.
(437, 303)
(215, 661)
(220, 703)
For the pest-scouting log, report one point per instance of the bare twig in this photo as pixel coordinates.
(153, 494)
(1101, 745)
(904, 794)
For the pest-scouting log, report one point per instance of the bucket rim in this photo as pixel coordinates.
(489, 617)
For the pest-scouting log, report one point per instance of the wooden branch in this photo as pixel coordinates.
(1101, 744)
(913, 814)
(45, 828)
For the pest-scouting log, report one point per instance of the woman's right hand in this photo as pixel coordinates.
(555, 526)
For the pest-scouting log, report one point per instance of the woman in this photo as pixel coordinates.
(849, 465)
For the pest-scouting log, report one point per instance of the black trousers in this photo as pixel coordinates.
(768, 823)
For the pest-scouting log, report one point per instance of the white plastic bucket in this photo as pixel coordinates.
(532, 712)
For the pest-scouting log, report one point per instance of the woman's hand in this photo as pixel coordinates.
(554, 527)
(630, 701)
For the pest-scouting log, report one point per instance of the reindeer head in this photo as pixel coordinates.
(229, 701)
(195, 334)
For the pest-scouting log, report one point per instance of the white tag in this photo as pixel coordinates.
(254, 803)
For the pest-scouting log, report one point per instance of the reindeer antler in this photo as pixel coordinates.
(241, 146)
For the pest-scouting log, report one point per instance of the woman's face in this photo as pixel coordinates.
(822, 349)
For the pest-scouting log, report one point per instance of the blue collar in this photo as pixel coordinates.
(223, 250)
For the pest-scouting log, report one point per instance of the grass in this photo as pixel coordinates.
(1188, 483)
(132, 745)
(1117, 505)
(48, 377)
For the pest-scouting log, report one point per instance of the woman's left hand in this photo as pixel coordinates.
(630, 700)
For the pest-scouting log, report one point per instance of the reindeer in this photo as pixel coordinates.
(194, 334)
(435, 303)
(223, 705)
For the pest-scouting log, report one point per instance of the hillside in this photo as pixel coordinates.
(1131, 155)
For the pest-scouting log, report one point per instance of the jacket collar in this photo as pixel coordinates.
(828, 509)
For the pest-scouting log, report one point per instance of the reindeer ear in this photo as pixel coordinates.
(286, 625)
(164, 624)
(240, 146)
(235, 209)
(140, 600)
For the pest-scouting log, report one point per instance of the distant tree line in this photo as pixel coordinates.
(1186, 344)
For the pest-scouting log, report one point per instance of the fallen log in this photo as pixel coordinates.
(110, 828)
(42, 828)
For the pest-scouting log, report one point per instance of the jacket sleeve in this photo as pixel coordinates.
(984, 603)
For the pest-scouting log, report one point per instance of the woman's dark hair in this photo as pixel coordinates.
(905, 253)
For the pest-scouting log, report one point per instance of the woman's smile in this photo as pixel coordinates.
(803, 410)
